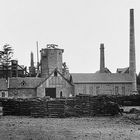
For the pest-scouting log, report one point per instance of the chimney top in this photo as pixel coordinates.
(101, 46)
(102, 59)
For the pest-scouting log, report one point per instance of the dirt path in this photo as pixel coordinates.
(97, 128)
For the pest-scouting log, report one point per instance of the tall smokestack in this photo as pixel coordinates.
(32, 68)
(32, 60)
(132, 59)
(102, 58)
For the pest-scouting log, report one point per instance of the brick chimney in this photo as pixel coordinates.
(32, 68)
(132, 59)
(102, 58)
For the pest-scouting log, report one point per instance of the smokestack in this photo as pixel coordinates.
(32, 68)
(132, 59)
(32, 60)
(102, 58)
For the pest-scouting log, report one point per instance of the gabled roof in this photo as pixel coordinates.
(30, 82)
(3, 84)
(101, 78)
(27, 82)
(55, 70)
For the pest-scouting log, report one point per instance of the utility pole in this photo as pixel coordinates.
(37, 57)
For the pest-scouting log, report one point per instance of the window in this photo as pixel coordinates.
(23, 83)
(97, 90)
(55, 73)
(116, 90)
(61, 94)
(123, 90)
(3, 94)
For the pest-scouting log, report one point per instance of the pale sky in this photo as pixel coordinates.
(77, 26)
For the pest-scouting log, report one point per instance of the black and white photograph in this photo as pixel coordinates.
(69, 70)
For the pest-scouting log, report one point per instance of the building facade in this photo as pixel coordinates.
(123, 82)
(55, 85)
(56, 81)
(102, 83)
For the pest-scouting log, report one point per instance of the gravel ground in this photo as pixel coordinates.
(96, 128)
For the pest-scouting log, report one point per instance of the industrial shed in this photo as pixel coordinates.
(55, 85)
(102, 83)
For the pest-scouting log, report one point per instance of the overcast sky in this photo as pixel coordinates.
(77, 26)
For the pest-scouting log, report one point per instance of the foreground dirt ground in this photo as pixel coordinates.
(96, 128)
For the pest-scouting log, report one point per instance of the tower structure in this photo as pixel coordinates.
(32, 60)
(132, 59)
(32, 67)
(51, 58)
(14, 69)
(102, 58)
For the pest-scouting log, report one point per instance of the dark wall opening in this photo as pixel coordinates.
(50, 92)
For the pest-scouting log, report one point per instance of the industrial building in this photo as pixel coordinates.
(52, 77)
(122, 82)
(12, 70)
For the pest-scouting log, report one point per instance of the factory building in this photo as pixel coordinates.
(104, 82)
(13, 70)
(54, 80)
(52, 77)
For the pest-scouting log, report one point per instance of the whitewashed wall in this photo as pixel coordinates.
(56, 82)
(98, 89)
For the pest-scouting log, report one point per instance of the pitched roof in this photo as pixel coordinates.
(101, 78)
(27, 82)
(123, 70)
(55, 70)
(3, 84)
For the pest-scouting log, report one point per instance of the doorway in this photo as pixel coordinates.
(50, 92)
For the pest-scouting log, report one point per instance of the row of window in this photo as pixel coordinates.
(116, 90)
